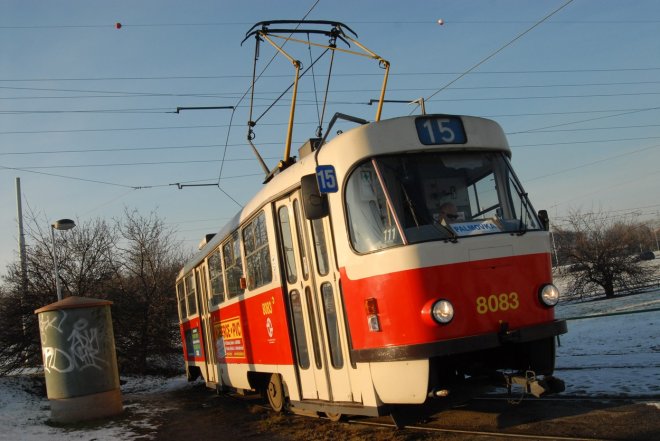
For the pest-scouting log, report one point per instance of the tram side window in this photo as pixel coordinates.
(257, 254)
(320, 246)
(299, 328)
(190, 295)
(181, 296)
(231, 252)
(332, 326)
(301, 243)
(215, 275)
(287, 244)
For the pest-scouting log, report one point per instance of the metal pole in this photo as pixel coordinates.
(23, 261)
(57, 272)
(21, 238)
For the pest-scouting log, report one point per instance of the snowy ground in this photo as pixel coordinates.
(615, 354)
(612, 355)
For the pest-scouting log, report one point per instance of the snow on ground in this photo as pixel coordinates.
(24, 415)
(614, 355)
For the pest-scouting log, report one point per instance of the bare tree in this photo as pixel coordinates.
(132, 262)
(149, 259)
(605, 251)
(85, 254)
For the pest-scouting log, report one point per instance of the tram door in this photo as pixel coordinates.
(205, 320)
(311, 276)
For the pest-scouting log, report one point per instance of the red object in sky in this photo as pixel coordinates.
(118, 25)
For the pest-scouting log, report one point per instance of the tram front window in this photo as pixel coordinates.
(392, 197)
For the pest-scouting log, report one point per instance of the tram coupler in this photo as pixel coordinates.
(533, 385)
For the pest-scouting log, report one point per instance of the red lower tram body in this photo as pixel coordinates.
(500, 325)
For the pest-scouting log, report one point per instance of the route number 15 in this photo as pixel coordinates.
(440, 130)
(327, 179)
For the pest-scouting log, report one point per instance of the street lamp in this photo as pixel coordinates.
(62, 225)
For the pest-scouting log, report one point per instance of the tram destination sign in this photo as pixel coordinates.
(437, 130)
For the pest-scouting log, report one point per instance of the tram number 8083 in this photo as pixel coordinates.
(498, 302)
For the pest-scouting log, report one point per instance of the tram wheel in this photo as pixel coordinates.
(275, 393)
(335, 417)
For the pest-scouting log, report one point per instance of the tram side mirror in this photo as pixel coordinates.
(315, 204)
(545, 220)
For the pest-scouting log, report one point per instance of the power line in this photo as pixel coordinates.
(251, 88)
(114, 184)
(361, 103)
(214, 146)
(125, 129)
(539, 129)
(598, 161)
(638, 126)
(432, 22)
(229, 94)
(133, 164)
(394, 74)
(601, 189)
(310, 103)
(493, 54)
(594, 141)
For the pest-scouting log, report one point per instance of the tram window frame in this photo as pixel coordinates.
(256, 244)
(191, 293)
(232, 259)
(320, 247)
(364, 185)
(332, 325)
(288, 251)
(216, 278)
(316, 342)
(298, 321)
(181, 300)
(301, 241)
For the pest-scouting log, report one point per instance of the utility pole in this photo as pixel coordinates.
(23, 259)
(21, 239)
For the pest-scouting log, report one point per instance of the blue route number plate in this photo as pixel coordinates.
(437, 130)
(327, 179)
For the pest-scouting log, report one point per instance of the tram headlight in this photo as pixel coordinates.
(442, 311)
(549, 295)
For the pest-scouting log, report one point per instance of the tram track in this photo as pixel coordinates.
(471, 433)
(489, 417)
(633, 399)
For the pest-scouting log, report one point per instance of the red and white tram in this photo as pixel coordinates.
(421, 266)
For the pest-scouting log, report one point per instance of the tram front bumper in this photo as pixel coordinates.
(460, 345)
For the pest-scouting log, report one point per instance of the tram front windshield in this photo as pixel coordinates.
(412, 198)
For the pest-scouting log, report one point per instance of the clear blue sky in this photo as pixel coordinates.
(84, 107)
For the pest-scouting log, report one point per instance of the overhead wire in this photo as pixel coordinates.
(500, 49)
(255, 79)
(234, 110)
(123, 93)
(540, 129)
(95, 181)
(365, 22)
(226, 144)
(598, 161)
(394, 74)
